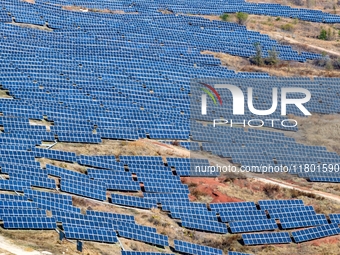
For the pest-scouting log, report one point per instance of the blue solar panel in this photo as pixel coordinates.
(234, 206)
(147, 237)
(335, 218)
(266, 238)
(29, 222)
(99, 235)
(315, 233)
(267, 204)
(190, 248)
(252, 226)
(144, 253)
(303, 221)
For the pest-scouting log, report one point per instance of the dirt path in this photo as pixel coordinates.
(7, 245)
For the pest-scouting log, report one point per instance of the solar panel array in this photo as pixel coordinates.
(191, 248)
(315, 233)
(266, 238)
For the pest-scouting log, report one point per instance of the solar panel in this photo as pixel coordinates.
(237, 253)
(316, 232)
(21, 211)
(191, 248)
(303, 221)
(110, 215)
(147, 237)
(133, 201)
(252, 226)
(90, 234)
(234, 206)
(204, 224)
(295, 211)
(266, 238)
(29, 222)
(228, 216)
(335, 218)
(144, 253)
(268, 204)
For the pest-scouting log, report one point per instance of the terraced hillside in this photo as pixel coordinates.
(105, 148)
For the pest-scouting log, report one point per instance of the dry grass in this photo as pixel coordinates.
(4, 94)
(283, 69)
(303, 35)
(142, 147)
(26, 25)
(70, 166)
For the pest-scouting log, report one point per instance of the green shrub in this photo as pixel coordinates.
(323, 34)
(224, 17)
(273, 57)
(287, 27)
(242, 17)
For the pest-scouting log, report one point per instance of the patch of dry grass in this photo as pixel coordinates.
(142, 147)
(5, 94)
(283, 69)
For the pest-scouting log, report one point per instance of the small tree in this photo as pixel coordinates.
(257, 59)
(242, 17)
(224, 17)
(323, 34)
(273, 57)
(287, 27)
(329, 65)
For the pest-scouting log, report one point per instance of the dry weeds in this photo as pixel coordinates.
(142, 147)
(283, 69)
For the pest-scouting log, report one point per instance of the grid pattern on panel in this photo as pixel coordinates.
(147, 237)
(29, 222)
(204, 224)
(316, 232)
(266, 238)
(234, 206)
(191, 248)
(267, 204)
(252, 226)
(90, 234)
(303, 221)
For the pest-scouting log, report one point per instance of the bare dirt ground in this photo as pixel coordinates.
(8, 248)
(84, 9)
(42, 28)
(141, 147)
